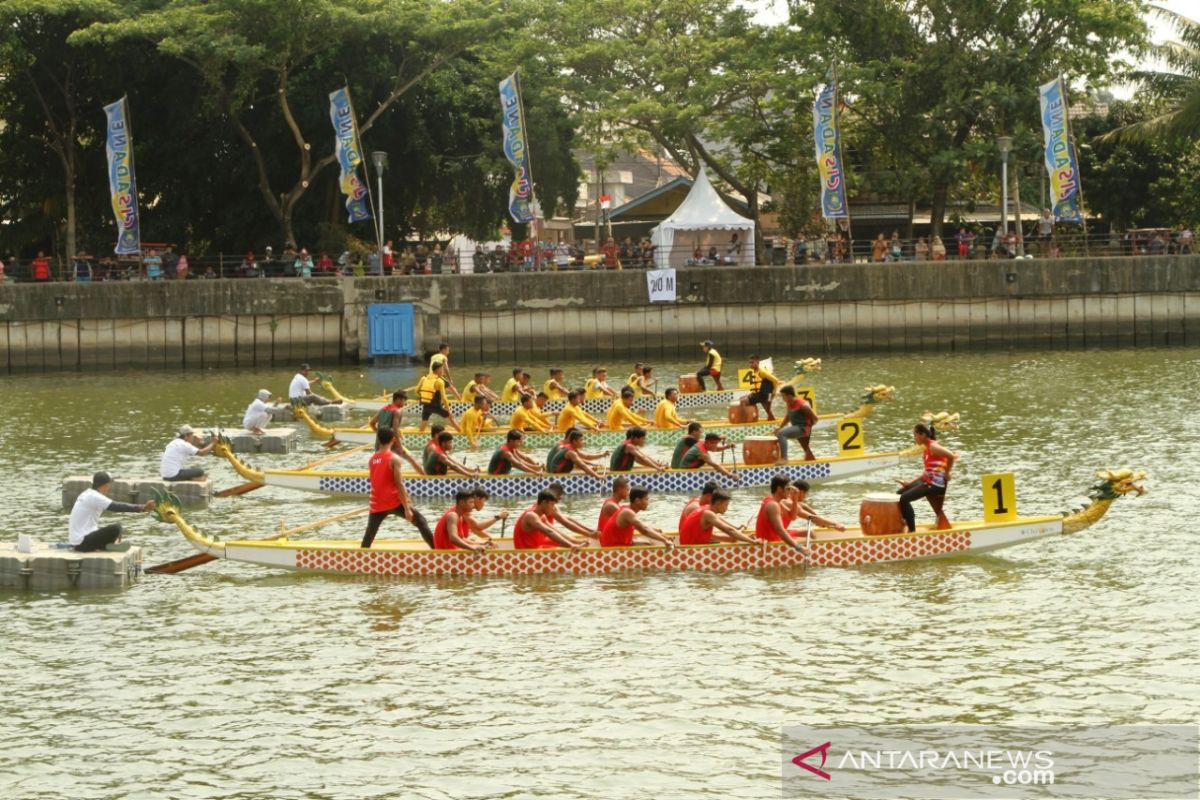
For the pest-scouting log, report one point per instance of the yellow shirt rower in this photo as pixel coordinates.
(573, 415)
(665, 415)
(554, 388)
(475, 420)
(596, 388)
(527, 418)
(622, 415)
(511, 392)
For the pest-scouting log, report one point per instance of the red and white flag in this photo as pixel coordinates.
(605, 201)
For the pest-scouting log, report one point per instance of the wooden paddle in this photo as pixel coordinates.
(250, 487)
(196, 559)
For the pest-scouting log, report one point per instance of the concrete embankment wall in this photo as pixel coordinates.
(542, 317)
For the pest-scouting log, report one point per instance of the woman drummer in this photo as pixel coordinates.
(932, 483)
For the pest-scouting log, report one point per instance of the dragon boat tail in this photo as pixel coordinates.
(825, 548)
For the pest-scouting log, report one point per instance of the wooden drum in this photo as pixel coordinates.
(740, 413)
(879, 513)
(760, 450)
(689, 384)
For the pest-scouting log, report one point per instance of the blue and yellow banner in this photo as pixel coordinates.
(1062, 164)
(829, 153)
(516, 148)
(349, 155)
(121, 183)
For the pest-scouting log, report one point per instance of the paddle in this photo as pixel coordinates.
(250, 487)
(196, 559)
(807, 544)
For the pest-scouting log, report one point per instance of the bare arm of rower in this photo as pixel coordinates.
(583, 465)
(461, 469)
(528, 464)
(775, 517)
(641, 458)
(806, 512)
(458, 541)
(652, 532)
(401, 490)
(407, 456)
(570, 523)
(709, 460)
(554, 533)
(480, 527)
(727, 528)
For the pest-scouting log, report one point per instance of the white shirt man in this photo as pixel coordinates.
(258, 413)
(83, 529)
(178, 451)
(300, 391)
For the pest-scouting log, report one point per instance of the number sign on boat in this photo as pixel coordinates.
(809, 394)
(999, 497)
(852, 438)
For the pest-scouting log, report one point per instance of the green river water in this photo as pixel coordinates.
(231, 681)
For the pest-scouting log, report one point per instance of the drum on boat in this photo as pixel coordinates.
(879, 514)
(740, 413)
(760, 450)
(689, 384)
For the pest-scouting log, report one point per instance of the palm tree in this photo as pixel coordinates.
(1175, 88)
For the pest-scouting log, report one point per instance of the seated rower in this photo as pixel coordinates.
(618, 529)
(694, 434)
(479, 526)
(573, 415)
(798, 421)
(434, 433)
(621, 415)
(773, 519)
(539, 409)
(620, 493)
(703, 500)
(597, 386)
(532, 532)
(638, 381)
(629, 452)
(179, 450)
(568, 454)
(453, 529)
(554, 388)
(567, 521)
(527, 417)
(701, 454)
(701, 524)
(796, 507)
(647, 386)
(665, 415)
(476, 420)
(512, 391)
(767, 386)
(479, 388)
(509, 455)
(439, 462)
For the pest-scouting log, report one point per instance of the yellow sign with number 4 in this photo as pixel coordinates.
(852, 439)
(999, 497)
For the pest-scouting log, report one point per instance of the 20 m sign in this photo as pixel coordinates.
(660, 284)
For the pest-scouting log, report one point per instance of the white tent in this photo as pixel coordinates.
(703, 219)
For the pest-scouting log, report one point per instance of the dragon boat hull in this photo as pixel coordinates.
(358, 484)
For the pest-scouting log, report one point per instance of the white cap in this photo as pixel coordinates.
(264, 394)
(185, 430)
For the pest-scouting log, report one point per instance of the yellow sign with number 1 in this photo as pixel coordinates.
(999, 497)
(852, 439)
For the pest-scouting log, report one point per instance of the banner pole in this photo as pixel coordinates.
(1078, 166)
(837, 125)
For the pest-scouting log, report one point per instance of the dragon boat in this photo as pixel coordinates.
(358, 483)
(495, 436)
(685, 401)
(824, 547)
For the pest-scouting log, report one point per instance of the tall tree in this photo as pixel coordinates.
(1175, 86)
(939, 78)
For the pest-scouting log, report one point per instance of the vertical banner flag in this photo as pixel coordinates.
(516, 148)
(829, 153)
(121, 183)
(1061, 161)
(349, 155)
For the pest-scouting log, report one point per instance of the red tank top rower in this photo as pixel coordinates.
(614, 535)
(690, 531)
(607, 512)
(384, 494)
(530, 540)
(763, 528)
(441, 537)
(691, 506)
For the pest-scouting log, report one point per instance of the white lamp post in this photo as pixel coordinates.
(380, 160)
(1004, 145)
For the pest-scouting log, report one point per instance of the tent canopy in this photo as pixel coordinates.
(710, 221)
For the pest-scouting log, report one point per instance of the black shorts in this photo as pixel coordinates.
(436, 407)
(763, 395)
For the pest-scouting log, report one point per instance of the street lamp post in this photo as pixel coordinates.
(1004, 145)
(380, 161)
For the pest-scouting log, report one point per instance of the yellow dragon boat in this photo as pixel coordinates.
(823, 547)
(495, 436)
